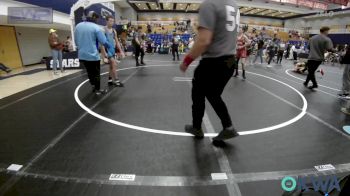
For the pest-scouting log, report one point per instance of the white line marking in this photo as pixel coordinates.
(287, 72)
(14, 167)
(174, 133)
(219, 176)
(233, 189)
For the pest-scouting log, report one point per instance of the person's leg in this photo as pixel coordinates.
(243, 62)
(261, 56)
(173, 52)
(60, 60)
(256, 57)
(54, 60)
(177, 53)
(97, 73)
(142, 56)
(213, 94)
(313, 78)
(137, 54)
(114, 74)
(235, 66)
(346, 80)
(89, 71)
(198, 102)
(308, 77)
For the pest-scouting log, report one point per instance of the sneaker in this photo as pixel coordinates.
(143, 63)
(341, 95)
(55, 72)
(305, 84)
(117, 83)
(345, 110)
(225, 134)
(100, 92)
(198, 133)
(313, 86)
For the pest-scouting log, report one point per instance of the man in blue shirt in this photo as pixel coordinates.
(88, 35)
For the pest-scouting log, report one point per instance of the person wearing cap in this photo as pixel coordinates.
(56, 50)
(87, 36)
(216, 43)
(319, 44)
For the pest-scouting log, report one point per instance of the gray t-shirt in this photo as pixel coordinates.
(222, 18)
(319, 44)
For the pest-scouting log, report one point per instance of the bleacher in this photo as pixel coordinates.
(159, 38)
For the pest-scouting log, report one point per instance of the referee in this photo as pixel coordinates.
(216, 42)
(87, 36)
(319, 44)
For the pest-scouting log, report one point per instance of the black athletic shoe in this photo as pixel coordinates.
(198, 133)
(219, 143)
(343, 95)
(313, 86)
(225, 134)
(305, 84)
(143, 63)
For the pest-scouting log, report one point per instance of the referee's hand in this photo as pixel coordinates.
(183, 67)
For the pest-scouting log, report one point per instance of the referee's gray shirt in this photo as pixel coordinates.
(222, 18)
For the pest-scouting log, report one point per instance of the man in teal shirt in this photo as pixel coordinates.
(88, 35)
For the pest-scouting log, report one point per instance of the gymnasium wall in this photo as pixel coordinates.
(33, 43)
(194, 17)
(338, 24)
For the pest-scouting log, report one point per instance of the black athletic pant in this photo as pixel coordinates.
(175, 49)
(209, 81)
(138, 51)
(271, 56)
(280, 56)
(295, 56)
(93, 71)
(312, 66)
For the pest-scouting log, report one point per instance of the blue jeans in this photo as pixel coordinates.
(259, 53)
(56, 55)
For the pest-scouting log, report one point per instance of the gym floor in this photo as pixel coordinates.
(70, 141)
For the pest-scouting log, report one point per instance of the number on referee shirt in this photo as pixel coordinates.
(232, 18)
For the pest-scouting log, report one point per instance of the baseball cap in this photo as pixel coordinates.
(52, 31)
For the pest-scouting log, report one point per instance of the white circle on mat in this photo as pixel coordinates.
(174, 133)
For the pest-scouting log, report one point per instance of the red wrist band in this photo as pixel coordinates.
(188, 60)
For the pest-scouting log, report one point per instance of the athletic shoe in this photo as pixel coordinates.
(100, 92)
(305, 84)
(117, 83)
(343, 94)
(198, 133)
(142, 63)
(225, 134)
(345, 110)
(55, 72)
(313, 86)
(268, 66)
